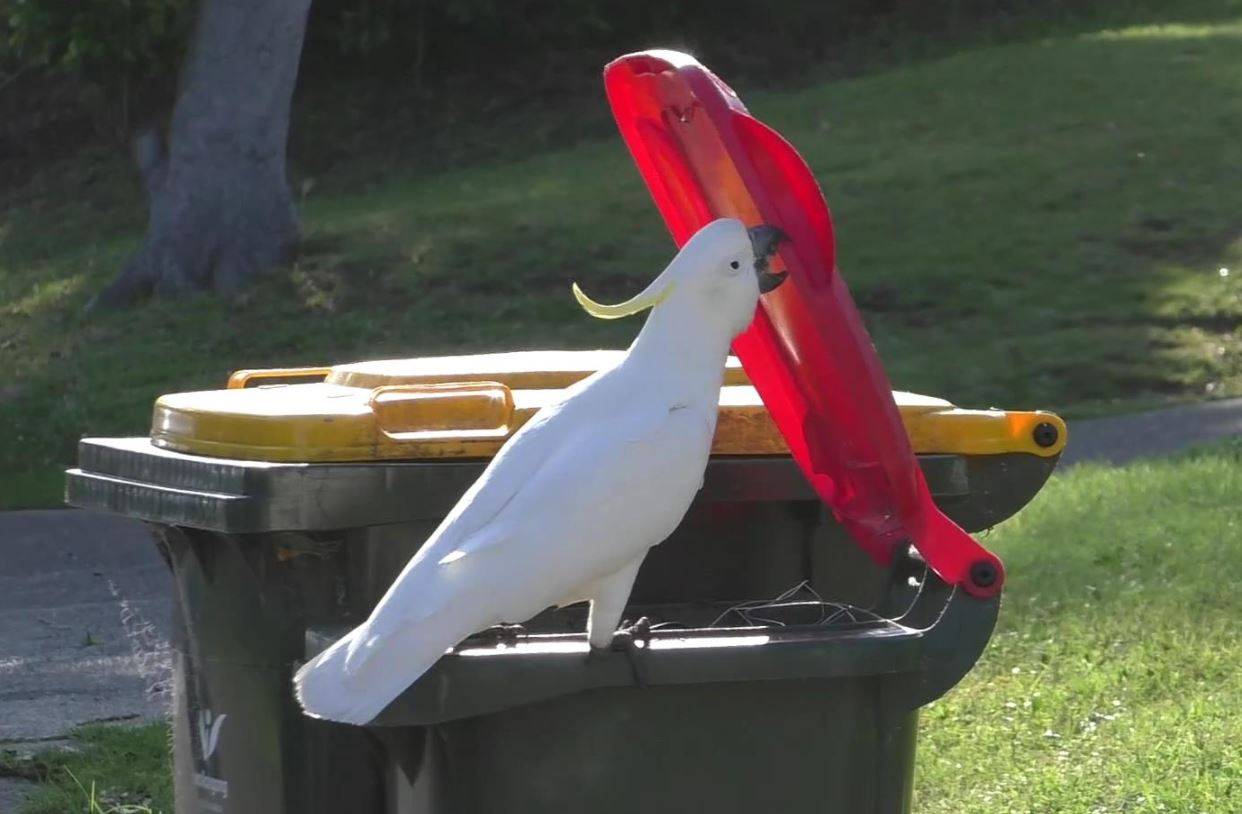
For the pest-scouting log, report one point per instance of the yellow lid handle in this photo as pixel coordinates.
(288, 375)
(986, 432)
(453, 410)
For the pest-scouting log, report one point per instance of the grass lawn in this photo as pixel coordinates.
(1111, 684)
(1038, 223)
(110, 770)
(1035, 224)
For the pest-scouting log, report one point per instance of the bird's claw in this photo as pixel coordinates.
(630, 633)
(502, 634)
(627, 639)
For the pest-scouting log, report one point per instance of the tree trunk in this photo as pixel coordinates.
(221, 211)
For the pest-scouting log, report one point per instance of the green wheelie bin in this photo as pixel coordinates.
(783, 668)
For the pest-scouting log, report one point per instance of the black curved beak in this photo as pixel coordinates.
(765, 240)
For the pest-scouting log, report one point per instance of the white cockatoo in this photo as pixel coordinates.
(568, 508)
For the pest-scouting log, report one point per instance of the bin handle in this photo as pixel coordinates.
(244, 378)
(449, 411)
(986, 432)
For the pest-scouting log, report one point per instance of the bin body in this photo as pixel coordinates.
(240, 742)
(811, 745)
(286, 554)
(286, 511)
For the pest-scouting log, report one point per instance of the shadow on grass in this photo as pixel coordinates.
(1025, 226)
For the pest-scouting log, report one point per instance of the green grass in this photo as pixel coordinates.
(1111, 683)
(1032, 224)
(109, 770)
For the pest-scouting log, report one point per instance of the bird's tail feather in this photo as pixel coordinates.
(326, 687)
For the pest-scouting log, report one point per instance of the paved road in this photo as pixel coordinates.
(84, 609)
(1122, 438)
(85, 599)
(12, 793)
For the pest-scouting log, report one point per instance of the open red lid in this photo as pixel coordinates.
(703, 156)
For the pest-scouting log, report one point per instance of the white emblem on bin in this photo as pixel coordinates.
(209, 731)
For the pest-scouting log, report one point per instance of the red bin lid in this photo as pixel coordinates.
(703, 156)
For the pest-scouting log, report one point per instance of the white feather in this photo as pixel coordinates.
(576, 496)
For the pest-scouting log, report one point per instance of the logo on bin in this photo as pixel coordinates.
(209, 732)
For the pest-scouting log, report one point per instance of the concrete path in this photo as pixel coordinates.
(1122, 438)
(85, 598)
(12, 793)
(84, 609)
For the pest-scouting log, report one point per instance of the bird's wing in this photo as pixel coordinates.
(515, 466)
(427, 586)
(618, 490)
(417, 592)
(633, 438)
(520, 504)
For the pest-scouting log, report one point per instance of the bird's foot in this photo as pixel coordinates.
(630, 633)
(631, 638)
(502, 634)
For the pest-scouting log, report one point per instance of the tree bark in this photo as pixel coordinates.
(220, 207)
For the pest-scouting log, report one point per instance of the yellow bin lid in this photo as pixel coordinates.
(467, 406)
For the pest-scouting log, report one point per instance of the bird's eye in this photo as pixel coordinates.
(735, 265)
